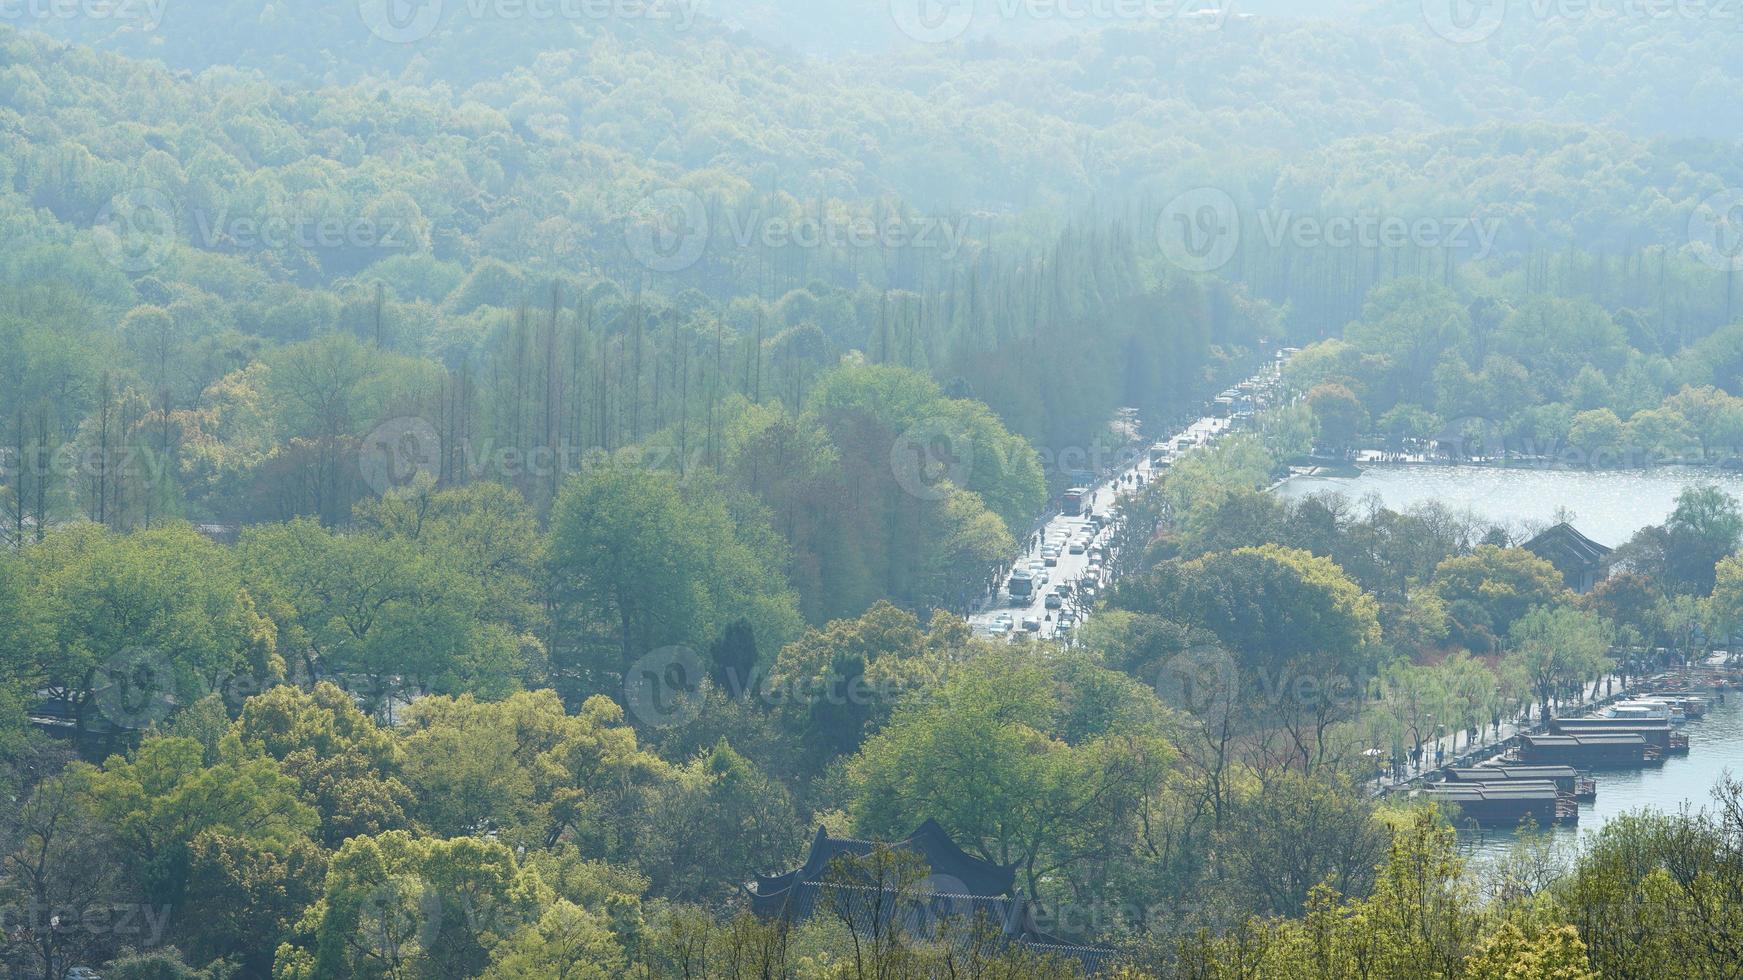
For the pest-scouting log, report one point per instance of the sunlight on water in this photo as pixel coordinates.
(1715, 747)
(1607, 506)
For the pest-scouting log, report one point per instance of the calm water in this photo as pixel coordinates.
(1715, 746)
(1607, 506)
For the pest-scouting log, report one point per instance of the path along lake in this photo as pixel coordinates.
(1609, 507)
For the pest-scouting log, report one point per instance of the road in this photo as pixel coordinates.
(1062, 529)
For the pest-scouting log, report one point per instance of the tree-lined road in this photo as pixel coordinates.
(1061, 529)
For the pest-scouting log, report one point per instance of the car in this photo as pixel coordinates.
(1050, 560)
(1065, 625)
(1031, 625)
(1077, 548)
(1054, 601)
(1063, 588)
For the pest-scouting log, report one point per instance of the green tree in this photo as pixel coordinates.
(1306, 638)
(1596, 432)
(347, 767)
(640, 566)
(981, 756)
(385, 614)
(1338, 414)
(153, 620)
(1559, 648)
(1704, 529)
(567, 943)
(397, 905)
(162, 798)
(1488, 590)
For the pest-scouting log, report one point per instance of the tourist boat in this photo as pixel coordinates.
(1568, 780)
(1591, 750)
(1648, 709)
(1659, 732)
(1694, 706)
(1506, 803)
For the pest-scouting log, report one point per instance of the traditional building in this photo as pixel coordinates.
(1582, 562)
(959, 887)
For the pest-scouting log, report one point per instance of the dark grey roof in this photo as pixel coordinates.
(1562, 546)
(1486, 774)
(967, 873)
(964, 897)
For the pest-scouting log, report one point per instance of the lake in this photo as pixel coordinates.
(1608, 506)
(1715, 747)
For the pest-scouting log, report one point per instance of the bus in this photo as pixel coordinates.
(1074, 499)
(1022, 587)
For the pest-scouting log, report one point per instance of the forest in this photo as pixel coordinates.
(476, 493)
